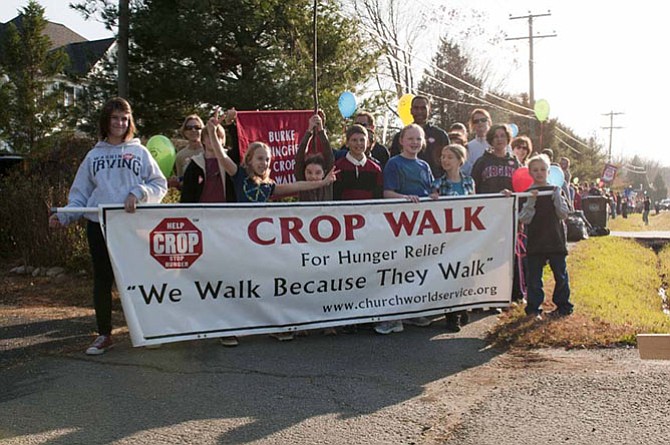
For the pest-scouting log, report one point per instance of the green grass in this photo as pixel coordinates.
(618, 280)
(634, 222)
(614, 286)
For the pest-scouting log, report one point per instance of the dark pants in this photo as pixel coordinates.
(103, 278)
(535, 286)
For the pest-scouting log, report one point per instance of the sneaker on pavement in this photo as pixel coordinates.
(100, 345)
(387, 327)
(282, 336)
(229, 341)
(419, 321)
(453, 326)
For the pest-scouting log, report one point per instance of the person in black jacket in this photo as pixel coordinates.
(544, 217)
(436, 138)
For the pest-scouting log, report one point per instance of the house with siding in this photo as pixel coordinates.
(85, 55)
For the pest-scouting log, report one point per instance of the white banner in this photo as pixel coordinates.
(200, 271)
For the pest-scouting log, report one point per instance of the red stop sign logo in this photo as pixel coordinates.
(176, 243)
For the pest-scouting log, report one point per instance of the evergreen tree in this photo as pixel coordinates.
(32, 95)
(247, 54)
(451, 103)
(660, 189)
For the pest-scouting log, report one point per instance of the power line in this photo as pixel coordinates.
(558, 129)
(380, 39)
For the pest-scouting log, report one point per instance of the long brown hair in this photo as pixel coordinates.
(115, 104)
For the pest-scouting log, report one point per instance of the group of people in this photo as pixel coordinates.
(424, 161)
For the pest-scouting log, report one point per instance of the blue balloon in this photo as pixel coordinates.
(347, 104)
(556, 176)
(514, 129)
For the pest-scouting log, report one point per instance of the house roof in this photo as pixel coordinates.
(84, 54)
(60, 35)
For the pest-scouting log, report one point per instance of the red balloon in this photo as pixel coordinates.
(521, 179)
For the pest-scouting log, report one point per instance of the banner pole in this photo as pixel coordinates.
(74, 210)
(314, 72)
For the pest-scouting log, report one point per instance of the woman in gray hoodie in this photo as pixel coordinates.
(118, 170)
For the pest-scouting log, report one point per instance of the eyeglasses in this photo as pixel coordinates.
(481, 120)
(523, 147)
(193, 127)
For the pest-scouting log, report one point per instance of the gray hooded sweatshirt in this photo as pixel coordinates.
(109, 173)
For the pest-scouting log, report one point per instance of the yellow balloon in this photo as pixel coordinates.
(405, 108)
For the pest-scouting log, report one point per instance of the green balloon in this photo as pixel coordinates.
(542, 110)
(163, 152)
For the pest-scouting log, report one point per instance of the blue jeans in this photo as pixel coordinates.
(534, 283)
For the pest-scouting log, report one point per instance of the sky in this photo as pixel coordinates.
(607, 56)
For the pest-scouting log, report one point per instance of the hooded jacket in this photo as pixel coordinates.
(109, 173)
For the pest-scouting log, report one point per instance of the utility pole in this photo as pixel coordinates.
(530, 38)
(611, 114)
(122, 49)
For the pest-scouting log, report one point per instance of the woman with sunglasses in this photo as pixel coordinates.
(191, 130)
(479, 123)
(522, 147)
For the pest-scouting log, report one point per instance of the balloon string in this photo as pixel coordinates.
(520, 252)
(314, 72)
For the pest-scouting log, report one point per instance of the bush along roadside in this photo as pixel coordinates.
(27, 194)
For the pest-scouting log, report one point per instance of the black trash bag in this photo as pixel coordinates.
(599, 231)
(577, 227)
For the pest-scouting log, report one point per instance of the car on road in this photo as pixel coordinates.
(664, 204)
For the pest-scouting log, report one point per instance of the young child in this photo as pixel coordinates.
(117, 170)
(359, 178)
(312, 166)
(252, 179)
(544, 218)
(453, 183)
(407, 177)
(204, 180)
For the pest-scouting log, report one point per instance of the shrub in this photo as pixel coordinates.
(27, 194)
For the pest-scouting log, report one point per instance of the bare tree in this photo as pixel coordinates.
(394, 32)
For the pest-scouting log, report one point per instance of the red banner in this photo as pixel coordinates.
(281, 130)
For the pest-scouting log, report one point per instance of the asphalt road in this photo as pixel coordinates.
(422, 386)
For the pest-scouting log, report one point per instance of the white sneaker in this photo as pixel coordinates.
(282, 336)
(229, 341)
(100, 345)
(387, 327)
